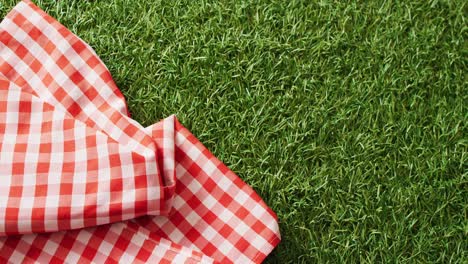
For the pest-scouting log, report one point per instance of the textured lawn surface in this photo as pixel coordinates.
(348, 117)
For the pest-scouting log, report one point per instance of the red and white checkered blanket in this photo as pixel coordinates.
(80, 181)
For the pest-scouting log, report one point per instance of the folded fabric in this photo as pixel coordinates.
(83, 182)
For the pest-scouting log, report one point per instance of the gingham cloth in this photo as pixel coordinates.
(80, 181)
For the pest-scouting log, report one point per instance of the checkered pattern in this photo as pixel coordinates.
(75, 165)
(59, 174)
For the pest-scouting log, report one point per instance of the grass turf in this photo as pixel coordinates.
(348, 117)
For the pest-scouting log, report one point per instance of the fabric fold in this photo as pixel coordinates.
(83, 182)
(59, 174)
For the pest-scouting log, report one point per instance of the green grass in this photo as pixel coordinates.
(348, 117)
